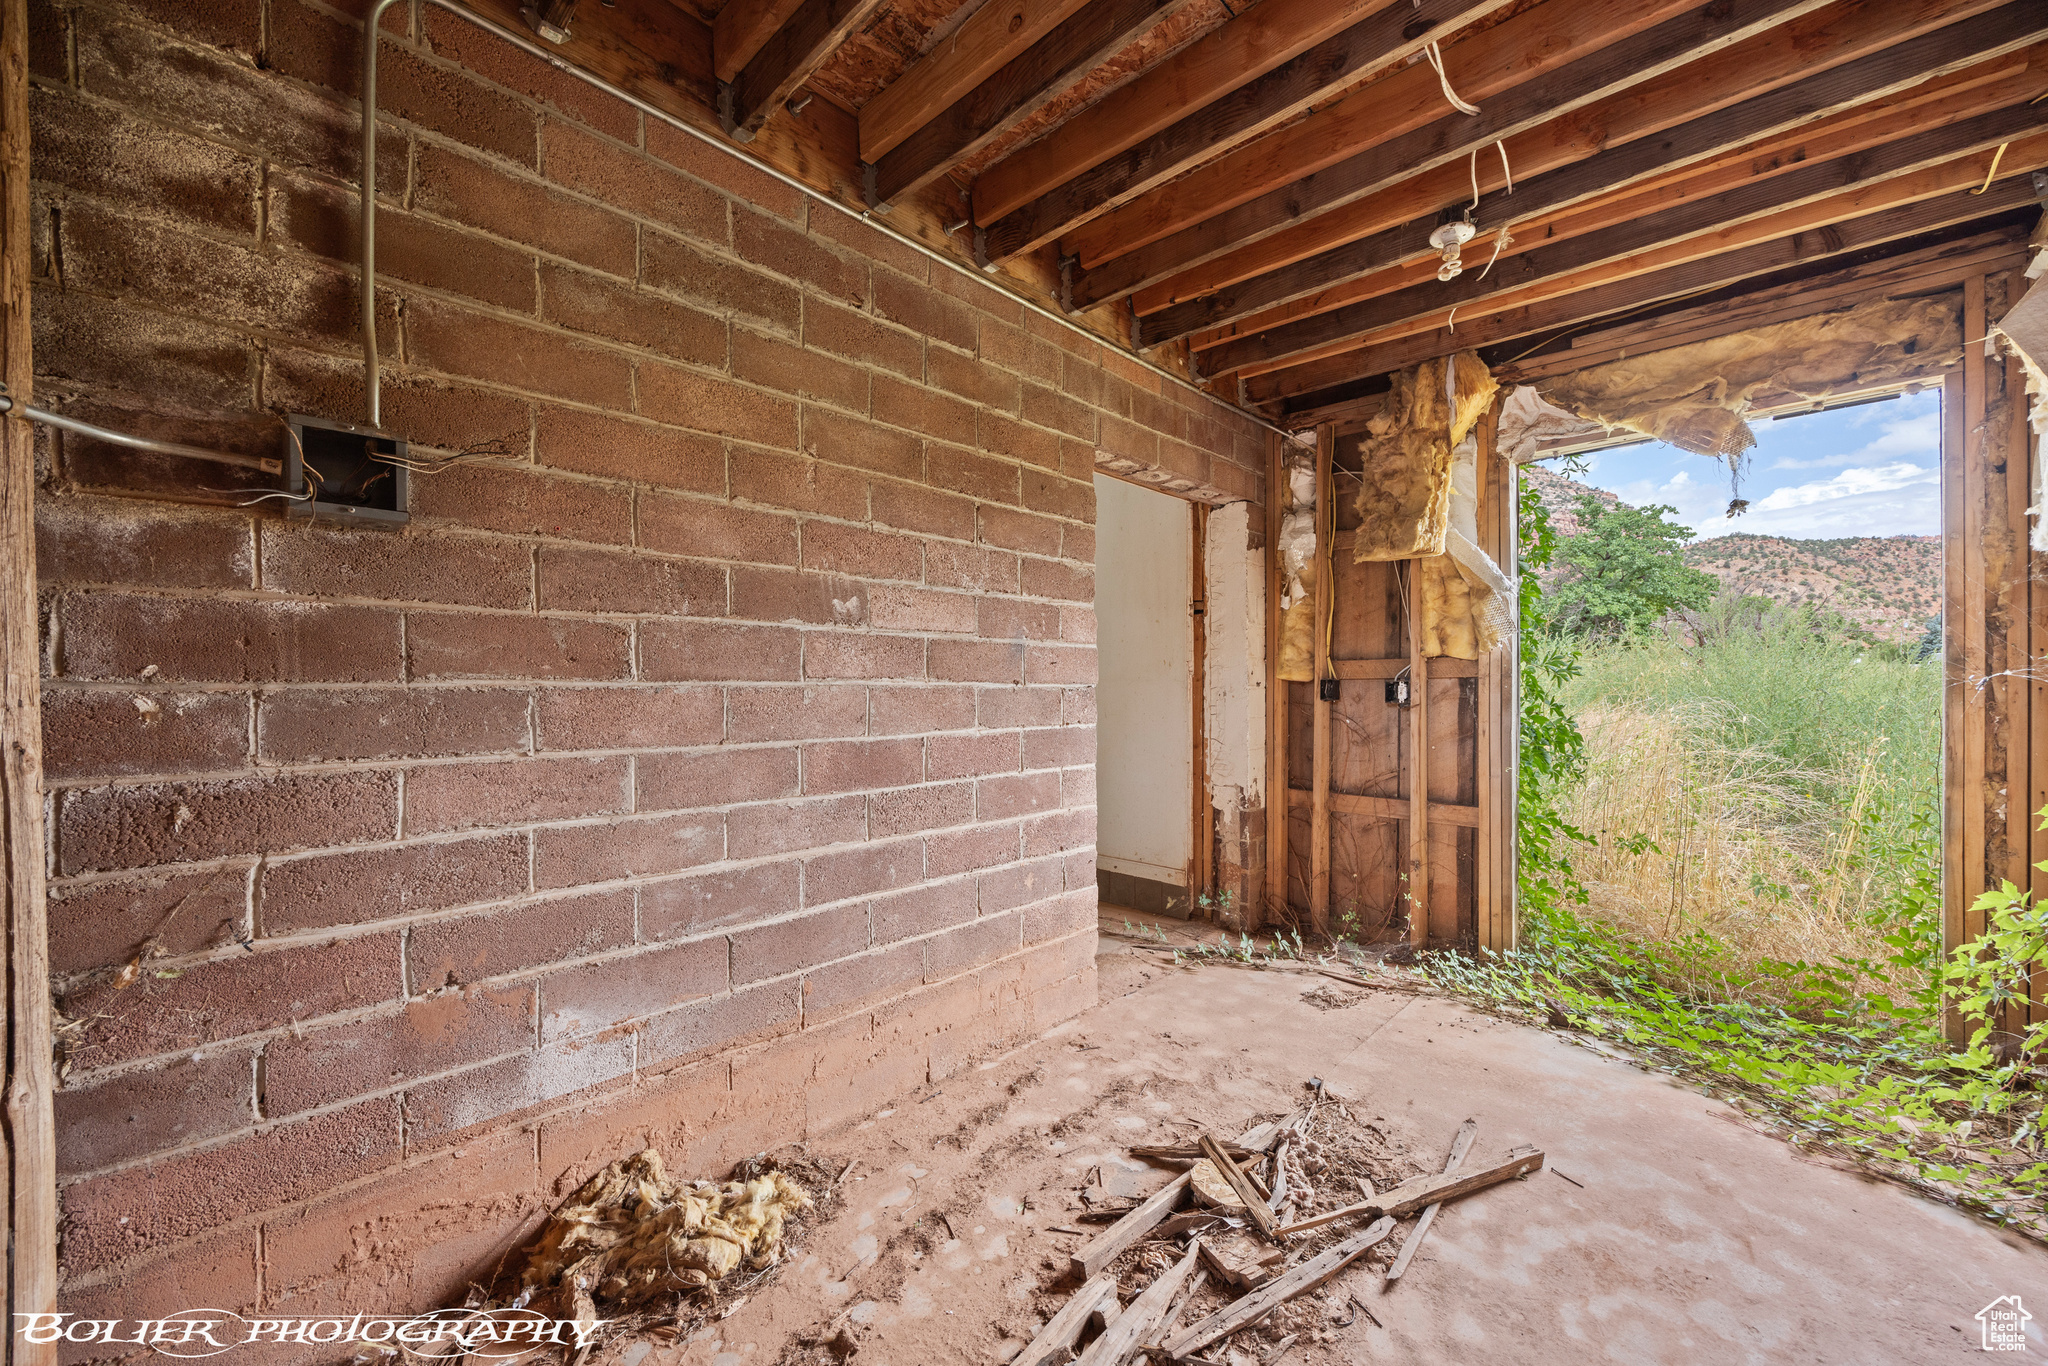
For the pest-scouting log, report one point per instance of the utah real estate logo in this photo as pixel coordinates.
(2005, 1324)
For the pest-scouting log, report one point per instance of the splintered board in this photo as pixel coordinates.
(1355, 753)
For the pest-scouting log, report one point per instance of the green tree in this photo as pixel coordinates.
(1552, 751)
(1624, 571)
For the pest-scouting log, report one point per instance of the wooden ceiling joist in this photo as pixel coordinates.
(991, 37)
(786, 60)
(742, 29)
(1024, 85)
(1325, 333)
(1853, 130)
(1602, 72)
(1789, 107)
(1762, 246)
(1250, 76)
(1841, 32)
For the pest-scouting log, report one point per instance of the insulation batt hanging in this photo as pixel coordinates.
(1404, 494)
(2023, 332)
(1694, 396)
(1298, 569)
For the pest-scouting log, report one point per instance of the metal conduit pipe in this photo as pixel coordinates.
(267, 464)
(567, 68)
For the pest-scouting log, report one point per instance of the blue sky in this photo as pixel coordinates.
(1865, 471)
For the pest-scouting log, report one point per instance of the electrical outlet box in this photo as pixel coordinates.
(357, 475)
(1397, 691)
(1328, 691)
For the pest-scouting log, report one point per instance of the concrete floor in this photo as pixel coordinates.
(1681, 1236)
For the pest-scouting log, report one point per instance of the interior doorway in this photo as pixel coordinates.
(1146, 719)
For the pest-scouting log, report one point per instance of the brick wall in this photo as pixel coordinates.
(710, 759)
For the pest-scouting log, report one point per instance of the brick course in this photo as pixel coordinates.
(717, 740)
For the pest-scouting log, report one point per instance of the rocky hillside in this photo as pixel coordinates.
(1889, 585)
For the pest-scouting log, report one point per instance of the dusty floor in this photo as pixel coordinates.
(1680, 1234)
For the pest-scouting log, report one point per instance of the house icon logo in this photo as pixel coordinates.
(2005, 1322)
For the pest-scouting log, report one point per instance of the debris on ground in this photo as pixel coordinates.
(640, 1249)
(1269, 1218)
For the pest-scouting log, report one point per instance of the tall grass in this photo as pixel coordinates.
(1759, 781)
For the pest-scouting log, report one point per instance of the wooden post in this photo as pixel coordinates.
(1325, 600)
(1202, 840)
(1277, 781)
(1495, 864)
(31, 1169)
(1418, 766)
(1954, 693)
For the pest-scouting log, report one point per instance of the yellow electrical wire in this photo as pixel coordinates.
(1992, 174)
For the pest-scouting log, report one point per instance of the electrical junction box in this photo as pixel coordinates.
(357, 475)
(1397, 690)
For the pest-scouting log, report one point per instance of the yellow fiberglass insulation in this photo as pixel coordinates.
(1404, 495)
(1298, 632)
(1694, 396)
(632, 1232)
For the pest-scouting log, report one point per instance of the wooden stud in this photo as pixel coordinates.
(1490, 893)
(1418, 766)
(1274, 903)
(30, 1169)
(1887, 173)
(1694, 91)
(991, 37)
(1603, 175)
(1970, 625)
(1955, 569)
(1024, 85)
(1270, 64)
(1529, 70)
(2015, 690)
(1202, 834)
(1325, 604)
(1651, 276)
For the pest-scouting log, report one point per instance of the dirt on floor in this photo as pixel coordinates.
(1661, 1229)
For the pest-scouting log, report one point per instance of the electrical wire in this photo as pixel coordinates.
(1436, 60)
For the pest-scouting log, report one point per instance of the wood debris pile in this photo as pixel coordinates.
(1246, 1229)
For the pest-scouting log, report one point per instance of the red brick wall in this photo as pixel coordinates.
(710, 759)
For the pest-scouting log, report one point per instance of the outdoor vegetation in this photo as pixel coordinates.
(1730, 865)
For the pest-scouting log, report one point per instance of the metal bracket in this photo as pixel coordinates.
(549, 18)
(728, 103)
(1068, 264)
(988, 267)
(2040, 179)
(870, 179)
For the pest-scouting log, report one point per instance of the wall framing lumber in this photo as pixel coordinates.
(1273, 909)
(790, 56)
(30, 1171)
(1202, 830)
(1418, 765)
(1538, 91)
(1325, 605)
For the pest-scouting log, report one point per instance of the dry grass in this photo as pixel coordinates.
(1696, 835)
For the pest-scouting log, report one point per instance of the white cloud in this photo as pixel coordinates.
(1909, 436)
(1883, 500)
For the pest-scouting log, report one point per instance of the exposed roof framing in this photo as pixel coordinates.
(1248, 190)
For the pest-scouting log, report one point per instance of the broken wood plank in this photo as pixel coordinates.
(1141, 1316)
(1410, 1196)
(1263, 1301)
(1053, 1341)
(1184, 1152)
(1094, 1256)
(1254, 1205)
(1460, 1145)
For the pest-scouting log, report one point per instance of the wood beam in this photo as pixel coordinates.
(1851, 132)
(1390, 808)
(992, 36)
(789, 57)
(30, 1170)
(1024, 85)
(742, 29)
(1894, 165)
(1262, 69)
(1516, 100)
(1845, 30)
(1325, 600)
(1596, 298)
(1418, 766)
(1843, 90)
